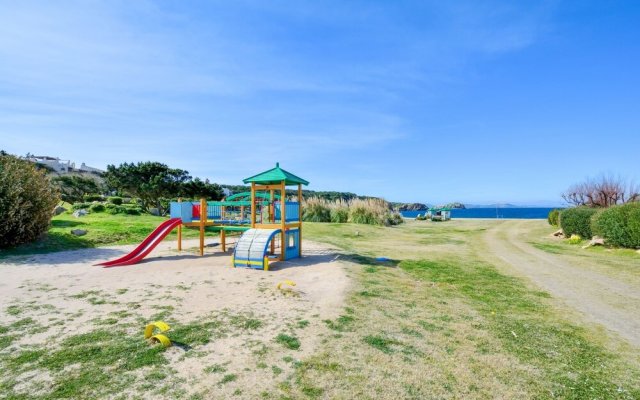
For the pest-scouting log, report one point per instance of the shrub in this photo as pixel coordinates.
(27, 198)
(115, 200)
(574, 239)
(133, 210)
(88, 198)
(81, 206)
(577, 220)
(395, 218)
(97, 208)
(619, 225)
(316, 210)
(129, 209)
(553, 217)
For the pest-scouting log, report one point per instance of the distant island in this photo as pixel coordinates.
(422, 206)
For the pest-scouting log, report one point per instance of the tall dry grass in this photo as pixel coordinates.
(358, 211)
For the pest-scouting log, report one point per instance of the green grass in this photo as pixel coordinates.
(444, 325)
(573, 366)
(103, 229)
(290, 342)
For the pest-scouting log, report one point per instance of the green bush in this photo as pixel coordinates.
(97, 208)
(130, 209)
(133, 210)
(27, 199)
(81, 206)
(619, 225)
(394, 218)
(553, 217)
(115, 200)
(88, 198)
(577, 221)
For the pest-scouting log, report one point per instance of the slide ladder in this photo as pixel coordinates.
(146, 246)
(252, 247)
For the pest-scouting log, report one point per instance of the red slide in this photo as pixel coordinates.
(146, 246)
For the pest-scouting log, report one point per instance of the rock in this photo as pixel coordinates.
(558, 233)
(80, 213)
(154, 211)
(595, 241)
(59, 210)
(410, 206)
(78, 232)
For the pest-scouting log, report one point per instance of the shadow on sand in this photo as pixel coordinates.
(83, 256)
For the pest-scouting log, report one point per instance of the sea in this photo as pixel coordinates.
(506, 213)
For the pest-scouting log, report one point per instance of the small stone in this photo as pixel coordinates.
(80, 213)
(78, 232)
(558, 233)
(595, 241)
(154, 211)
(59, 210)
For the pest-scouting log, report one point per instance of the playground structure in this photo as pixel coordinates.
(270, 225)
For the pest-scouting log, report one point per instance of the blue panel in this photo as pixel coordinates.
(291, 250)
(183, 211)
(293, 209)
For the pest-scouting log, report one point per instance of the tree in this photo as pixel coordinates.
(27, 199)
(605, 191)
(197, 188)
(149, 181)
(73, 188)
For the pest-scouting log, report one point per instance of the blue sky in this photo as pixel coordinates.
(474, 101)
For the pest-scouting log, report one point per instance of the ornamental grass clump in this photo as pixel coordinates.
(370, 211)
(316, 209)
(339, 211)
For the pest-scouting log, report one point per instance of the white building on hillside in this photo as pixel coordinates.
(61, 166)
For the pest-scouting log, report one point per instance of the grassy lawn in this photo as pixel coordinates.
(620, 263)
(432, 322)
(445, 325)
(103, 229)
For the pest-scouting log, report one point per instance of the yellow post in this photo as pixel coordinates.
(272, 217)
(180, 230)
(203, 220)
(283, 219)
(272, 207)
(299, 220)
(223, 240)
(253, 204)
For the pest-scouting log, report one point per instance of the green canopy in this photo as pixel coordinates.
(275, 176)
(439, 209)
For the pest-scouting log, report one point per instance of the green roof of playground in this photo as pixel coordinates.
(276, 175)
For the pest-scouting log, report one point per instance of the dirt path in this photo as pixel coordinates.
(603, 299)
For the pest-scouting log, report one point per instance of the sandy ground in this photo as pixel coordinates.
(65, 292)
(600, 298)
